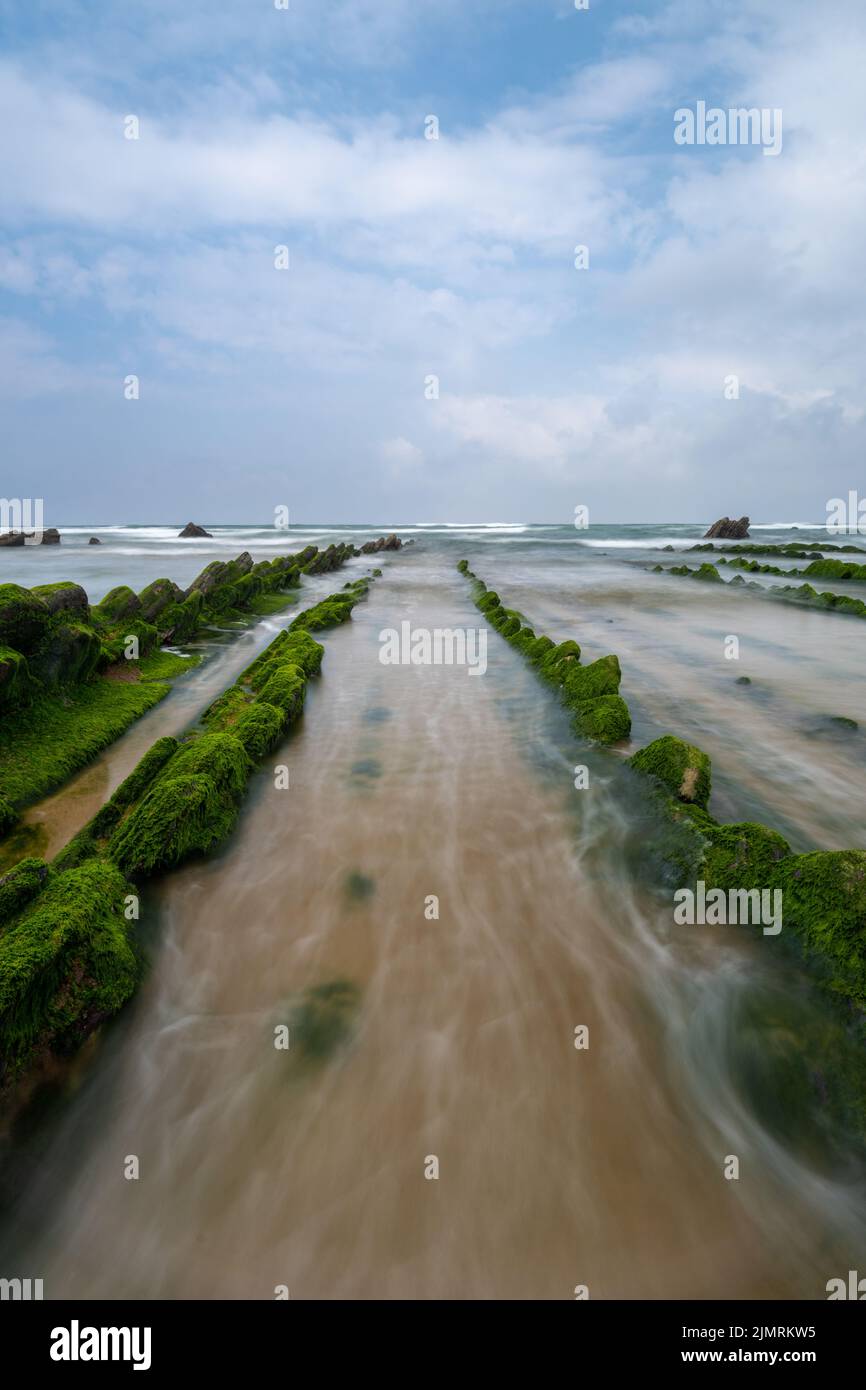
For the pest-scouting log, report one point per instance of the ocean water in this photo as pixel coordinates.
(557, 1167)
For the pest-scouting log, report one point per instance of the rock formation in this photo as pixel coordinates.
(191, 531)
(728, 530)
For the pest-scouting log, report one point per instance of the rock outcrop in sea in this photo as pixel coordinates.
(727, 530)
(51, 536)
(193, 532)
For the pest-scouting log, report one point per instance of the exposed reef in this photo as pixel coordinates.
(68, 951)
(823, 892)
(71, 681)
(803, 594)
(590, 692)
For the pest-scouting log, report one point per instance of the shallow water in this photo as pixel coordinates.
(455, 1037)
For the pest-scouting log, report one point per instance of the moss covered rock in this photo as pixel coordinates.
(157, 597)
(285, 688)
(605, 719)
(681, 768)
(220, 756)
(66, 963)
(64, 597)
(19, 886)
(581, 683)
(24, 618)
(179, 621)
(177, 818)
(16, 683)
(558, 660)
(259, 728)
(824, 898)
(154, 760)
(69, 653)
(741, 855)
(119, 603)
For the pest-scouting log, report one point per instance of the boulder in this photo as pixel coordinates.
(24, 618)
(192, 532)
(94, 540)
(12, 538)
(64, 597)
(158, 596)
(119, 603)
(727, 530)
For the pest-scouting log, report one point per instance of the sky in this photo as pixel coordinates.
(431, 351)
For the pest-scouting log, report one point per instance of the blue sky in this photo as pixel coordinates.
(412, 257)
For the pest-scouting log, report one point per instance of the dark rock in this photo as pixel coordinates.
(12, 538)
(156, 597)
(728, 530)
(51, 536)
(94, 540)
(64, 597)
(120, 603)
(191, 531)
(24, 618)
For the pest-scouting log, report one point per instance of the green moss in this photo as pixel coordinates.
(66, 963)
(359, 887)
(744, 855)
(24, 618)
(16, 683)
(179, 621)
(463, 566)
(682, 769)
(605, 719)
(489, 601)
(836, 569)
(285, 688)
(294, 647)
(44, 744)
(321, 1022)
(154, 760)
(557, 661)
(824, 898)
(329, 613)
(259, 728)
(220, 756)
(19, 886)
(68, 654)
(118, 605)
(179, 817)
(8, 817)
(165, 666)
(64, 597)
(581, 683)
(157, 597)
(538, 650)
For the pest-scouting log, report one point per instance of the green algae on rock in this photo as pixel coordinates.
(590, 692)
(681, 768)
(66, 955)
(65, 667)
(823, 892)
(67, 962)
